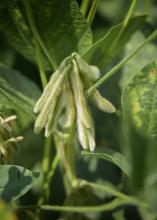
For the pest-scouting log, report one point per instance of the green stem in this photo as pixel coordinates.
(53, 168)
(59, 147)
(47, 145)
(84, 7)
(80, 209)
(120, 64)
(45, 169)
(66, 154)
(121, 199)
(124, 25)
(36, 34)
(49, 175)
(40, 66)
(112, 191)
(92, 12)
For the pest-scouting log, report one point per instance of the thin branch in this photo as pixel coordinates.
(80, 209)
(40, 65)
(45, 169)
(84, 7)
(124, 25)
(46, 186)
(92, 12)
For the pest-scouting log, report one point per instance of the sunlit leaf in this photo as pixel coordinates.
(100, 52)
(139, 105)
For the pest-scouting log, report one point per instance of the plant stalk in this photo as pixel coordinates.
(84, 7)
(66, 154)
(92, 12)
(80, 209)
(40, 66)
(124, 25)
(48, 176)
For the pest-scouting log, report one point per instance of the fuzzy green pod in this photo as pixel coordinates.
(102, 103)
(47, 91)
(53, 118)
(50, 104)
(70, 105)
(86, 136)
(80, 101)
(90, 71)
(82, 135)
(99, 101)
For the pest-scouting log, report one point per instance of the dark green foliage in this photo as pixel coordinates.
(36, 36)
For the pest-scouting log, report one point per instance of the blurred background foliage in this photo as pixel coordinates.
(109, 135)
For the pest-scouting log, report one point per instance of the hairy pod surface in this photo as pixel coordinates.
(90, 71)
(80, 101)
(64, 101)
(50, 104)
(98, 100)
(70, 105)
(47, 91)
(53, 118)
(102, 103)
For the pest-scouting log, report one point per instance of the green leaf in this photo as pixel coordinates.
(139, 101)
(115, 158)
(141, 59)
(139, 104)
(100, 52)
(16, 91)
(15, 181)
(60, 25)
